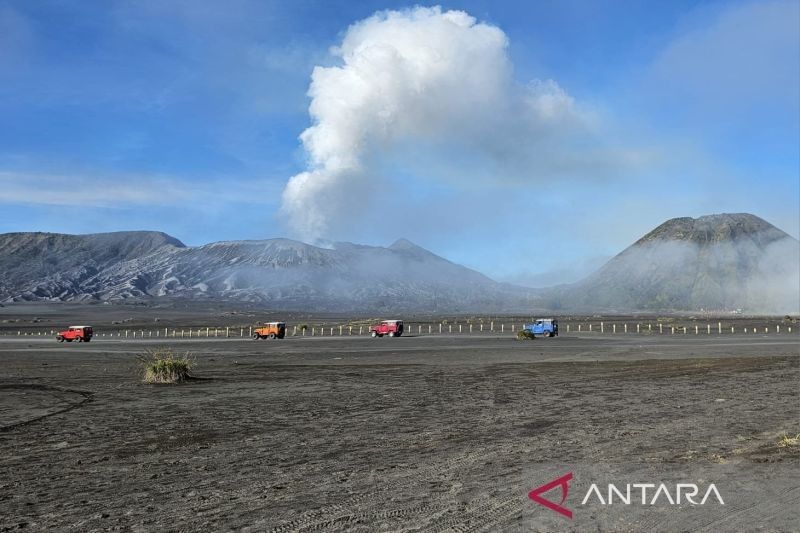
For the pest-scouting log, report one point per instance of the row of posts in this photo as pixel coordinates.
(229, 332)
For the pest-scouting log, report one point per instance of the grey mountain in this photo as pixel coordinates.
(277, 272)
(716, 262)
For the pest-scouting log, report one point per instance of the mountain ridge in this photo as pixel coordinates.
(720, 262)
(278, 271)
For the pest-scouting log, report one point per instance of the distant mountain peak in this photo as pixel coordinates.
(404, 244)
(716, 262)
(714, 228)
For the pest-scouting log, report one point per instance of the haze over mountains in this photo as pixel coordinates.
(279, 272)
(717, 262)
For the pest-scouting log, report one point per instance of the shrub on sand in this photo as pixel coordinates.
(525, 335)
(164, 366)
(787, 441)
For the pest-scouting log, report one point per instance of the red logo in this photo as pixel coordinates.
(563, 482)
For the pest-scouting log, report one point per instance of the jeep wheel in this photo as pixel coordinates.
(391, 333)
(272, 336)
(256, 336)
(374, 334)
(60, 338)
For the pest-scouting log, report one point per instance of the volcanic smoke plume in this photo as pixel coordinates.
(414, 85)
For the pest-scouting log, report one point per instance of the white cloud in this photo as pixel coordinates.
(123, 190)
(432, 93)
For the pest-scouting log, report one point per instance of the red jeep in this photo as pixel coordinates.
(393, 328)
(75, 333)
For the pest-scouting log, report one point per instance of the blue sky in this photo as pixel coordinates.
(184, 117)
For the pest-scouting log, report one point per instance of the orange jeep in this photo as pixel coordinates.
(270, 330)
(75, 333)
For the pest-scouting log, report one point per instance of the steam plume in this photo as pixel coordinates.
(425, 79)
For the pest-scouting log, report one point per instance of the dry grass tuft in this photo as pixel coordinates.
(787, 441)
(525, 335)
(164, 366)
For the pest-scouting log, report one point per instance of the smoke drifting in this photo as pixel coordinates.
(759, 274)
(429, 83)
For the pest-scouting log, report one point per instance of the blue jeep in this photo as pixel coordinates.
(543, 327)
